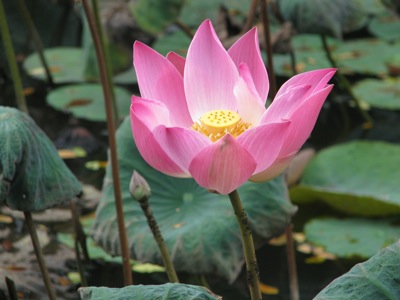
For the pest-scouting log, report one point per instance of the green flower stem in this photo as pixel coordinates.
(127, 272)
(5, 34)
(37, 43)
(293, 281)
(169, 267)
(39, 256)
(273, 89)
(248, 246)
(345, 84)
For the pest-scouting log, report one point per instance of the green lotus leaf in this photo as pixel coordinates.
(32, 175)
(359, 178)
(365, 56)
(324, 16)
(86, 101)
(352, 238)
(379, 93)
(199, 228)
(386, 26)
(154, 16)
(177, 41)
(65, 64)
(377, 278)
(170, 291)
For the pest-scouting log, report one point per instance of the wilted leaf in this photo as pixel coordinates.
(377, 278)
(199, 227)
(32, 175)
(86, 101)
(352, 238)
(170, 291)
(358, 178)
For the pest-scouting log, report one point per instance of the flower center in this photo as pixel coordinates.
(216, 123)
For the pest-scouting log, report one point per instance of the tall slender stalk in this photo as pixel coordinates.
(5, 34)
(39, 256)
(345, 84)
(291, 258)
(37, 43)
(253, 279)
(112, 143)
(250, 16)
(267, 39)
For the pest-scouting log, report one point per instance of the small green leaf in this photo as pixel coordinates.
(352, 238)
(177, 41)
(386, 27)
(358, 178)
(376, 279)
(170, 291)
(379, 93)
(199, 227)
(32, 175)
(154, 16)
(86, 101)
(65, 64)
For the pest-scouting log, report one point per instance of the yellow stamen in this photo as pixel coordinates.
(216, 123)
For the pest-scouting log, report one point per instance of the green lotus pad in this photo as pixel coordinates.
(386, 26)
(352, 238)
(32, 175)
(359, 178)
(170, 291)
(86, 101)
(377, 278)
(383, 94)
(199, 228)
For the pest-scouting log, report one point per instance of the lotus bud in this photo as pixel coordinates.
(138, 187)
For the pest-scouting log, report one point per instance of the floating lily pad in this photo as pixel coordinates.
(386, 27)
(379, 93)
(377, 278)
(65, 63)
(86, 101)
(358, 178)
(32, 175)
(366, 56)
(352, 238)
(199, 228)
(170, 291)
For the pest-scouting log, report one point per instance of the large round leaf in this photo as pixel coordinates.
(377, 278)
(379, 93)
(65, 63)
(86, 101)
(199, 228)
(352, 238)
(170, 291)
(324, 16)
(357, 178)
(32, 175)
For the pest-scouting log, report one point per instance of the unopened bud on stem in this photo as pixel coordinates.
(138, 187)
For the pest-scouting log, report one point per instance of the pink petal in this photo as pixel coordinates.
(250, 106)
(247, 50)
(181, 144)
(264, 143)
(284, 105)
(144, 118)
(317, 79)
(159, 80)
(273, 171)
(177, 60)
(303, 120)
(223, 166)
(210, 74)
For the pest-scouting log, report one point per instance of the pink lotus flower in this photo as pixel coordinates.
(204, 116)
